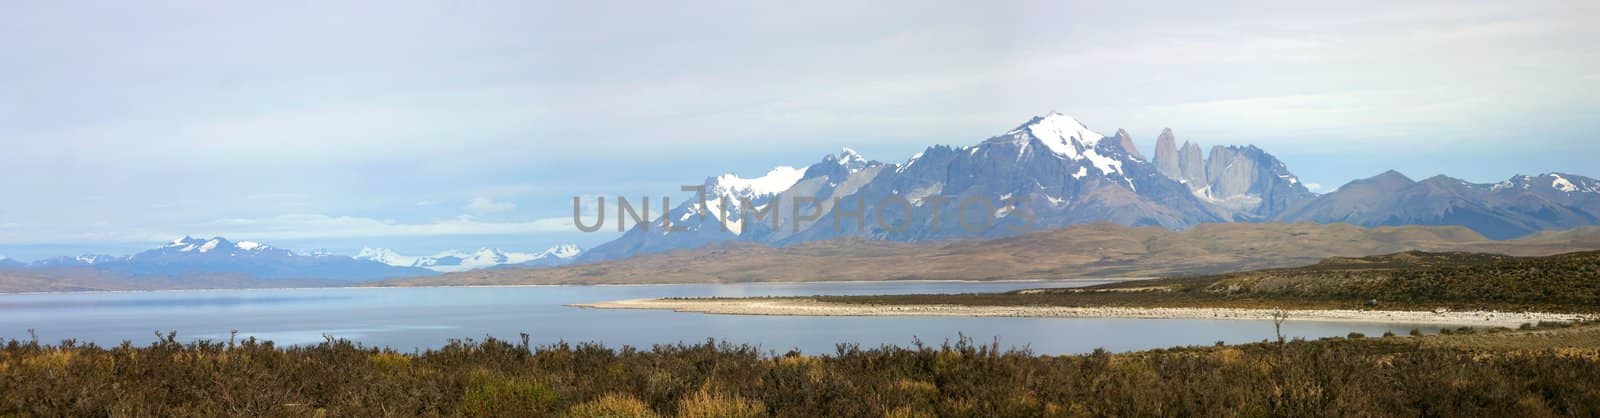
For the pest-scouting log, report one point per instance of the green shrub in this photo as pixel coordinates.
(504, 397)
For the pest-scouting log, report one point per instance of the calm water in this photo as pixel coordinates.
(413, 318)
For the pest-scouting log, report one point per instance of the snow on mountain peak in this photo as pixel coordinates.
(1059, 132)
(562, 251)
(774, 182)
(1577, 184)
(454, 261)
(1065, 136)
(386, 256)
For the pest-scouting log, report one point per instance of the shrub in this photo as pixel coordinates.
(614, 405)
(716, 405)
(502, 397)
(1356, 336)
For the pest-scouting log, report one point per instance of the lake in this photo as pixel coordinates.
(418, 318)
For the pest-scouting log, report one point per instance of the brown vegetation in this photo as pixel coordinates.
(1484, 373)
(1084, 251)
(1402, 281)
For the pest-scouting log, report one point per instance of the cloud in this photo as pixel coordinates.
(1314, 186)
(484, 205)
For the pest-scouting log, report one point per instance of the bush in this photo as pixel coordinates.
(613, 405)
(1356, 376)
(501, 397)
(1356, 336)
(716, 405)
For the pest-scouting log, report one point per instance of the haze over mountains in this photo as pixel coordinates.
(1047, 173)
(198, 256)
(1053, 171)
(453, 261)
(218, 262)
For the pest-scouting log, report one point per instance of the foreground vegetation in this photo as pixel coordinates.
(1564, 283)
(1550, 371)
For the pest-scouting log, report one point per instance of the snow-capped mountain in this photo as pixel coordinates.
(10, 263)
(214, 247)
(454, 261)
(695, 223)
(192, 256)
(1064, 173)
(85, 260)
(1512, 208)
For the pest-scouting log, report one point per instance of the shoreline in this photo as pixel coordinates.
(807, 282)
(810, 307)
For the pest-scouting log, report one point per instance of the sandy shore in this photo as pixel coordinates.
(808, 307)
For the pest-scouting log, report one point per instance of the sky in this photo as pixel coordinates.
(425, 126)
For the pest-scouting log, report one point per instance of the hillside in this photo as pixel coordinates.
(1085, 251)
(1410, 280)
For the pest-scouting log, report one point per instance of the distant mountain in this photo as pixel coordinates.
(1247, 181)
(79, 261)
(559, 255)
(1513, 208)
(1049, 172)
(8, 263)
(454, 261)
(218, 256)
(1053, 171)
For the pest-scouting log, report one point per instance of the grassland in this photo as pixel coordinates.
(1409, 281)
(1083, 251)
(1535, 372)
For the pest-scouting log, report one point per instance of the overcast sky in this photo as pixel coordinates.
(428, 126)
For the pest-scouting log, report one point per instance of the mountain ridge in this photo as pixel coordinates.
(1052, 171)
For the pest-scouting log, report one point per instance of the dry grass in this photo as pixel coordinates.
(1411, 281)
(1548, 371)
(1084, 251)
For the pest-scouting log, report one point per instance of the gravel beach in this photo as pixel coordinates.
(809, 307)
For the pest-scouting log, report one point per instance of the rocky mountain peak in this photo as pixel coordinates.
(1166, 158)
(1125, 141)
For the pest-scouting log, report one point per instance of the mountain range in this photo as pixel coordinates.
(1048, 173)
(1513, 208)
(1053, 171)
(454, 261)
(190, 256)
